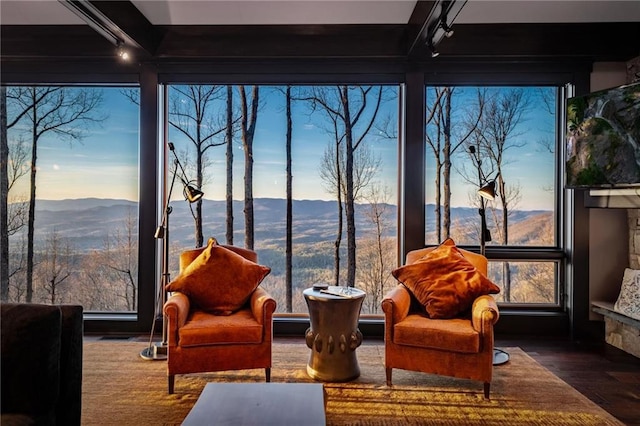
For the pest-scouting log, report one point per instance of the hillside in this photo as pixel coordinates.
(86, 222)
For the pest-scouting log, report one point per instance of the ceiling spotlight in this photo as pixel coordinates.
(123, 52)
(448, 31)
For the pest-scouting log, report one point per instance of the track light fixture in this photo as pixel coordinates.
(103, 25)
(122, 51)
(432, 49)
(448, 31)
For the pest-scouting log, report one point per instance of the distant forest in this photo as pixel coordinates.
(93, 241)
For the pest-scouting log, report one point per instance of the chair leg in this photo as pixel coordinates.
(388, 376)
(171, 381)
(267, 373)
(487, 386)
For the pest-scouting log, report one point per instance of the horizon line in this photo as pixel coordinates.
(260, 198)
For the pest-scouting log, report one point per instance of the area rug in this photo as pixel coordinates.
(120, 388)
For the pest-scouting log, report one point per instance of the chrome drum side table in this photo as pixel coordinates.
(333, 336)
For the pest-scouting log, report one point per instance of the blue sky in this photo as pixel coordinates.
(308, 145)
(530, 167)
(105, 163)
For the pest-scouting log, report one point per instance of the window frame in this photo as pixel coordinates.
(555, 253)
(412, 74)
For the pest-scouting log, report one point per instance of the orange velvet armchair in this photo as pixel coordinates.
(200, 341)
(458, 347)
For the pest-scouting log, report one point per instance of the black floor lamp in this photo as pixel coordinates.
(488, 192)
(158, 351)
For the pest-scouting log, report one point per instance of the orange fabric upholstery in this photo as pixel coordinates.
(459, 347)
(199, 341)
(206, 279)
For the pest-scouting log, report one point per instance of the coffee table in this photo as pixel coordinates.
(250, 404)
(334, 335)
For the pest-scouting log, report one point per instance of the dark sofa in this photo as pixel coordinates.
(41, 364)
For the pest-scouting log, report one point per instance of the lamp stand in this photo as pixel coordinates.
(499, 356)
(158, 351)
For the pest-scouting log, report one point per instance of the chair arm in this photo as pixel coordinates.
(177, 310)
(484, 313)
(396, 304)
(262, 305)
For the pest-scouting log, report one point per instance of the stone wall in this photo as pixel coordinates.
(634, 238)
(624, 333)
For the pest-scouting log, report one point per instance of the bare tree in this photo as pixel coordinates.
(12, 161)
(229, 155)
(123, 259)
(535, 281)
(366, 166)
(378, 253)
(289, 213)
(444, 141)
(56, 266)
(504, 113)
(191, 114)
(349, 107)
(289, 98)
(109, 274)
(249, 116)
(17, 270)
(547, 143)
(17, 203)
(4, 196)
(434, 141)
(65, 112)
(331, 173)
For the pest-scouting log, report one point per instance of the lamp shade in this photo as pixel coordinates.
(488, 191)
(192, 194)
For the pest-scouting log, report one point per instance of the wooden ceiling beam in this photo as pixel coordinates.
(119, 20)
(592, 42)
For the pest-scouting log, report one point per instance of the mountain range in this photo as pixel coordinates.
(87, 221)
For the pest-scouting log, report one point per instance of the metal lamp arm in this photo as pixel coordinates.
(183, 177)
(161, 230)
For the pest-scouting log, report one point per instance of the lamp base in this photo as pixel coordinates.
(500, 357)
(156, 352)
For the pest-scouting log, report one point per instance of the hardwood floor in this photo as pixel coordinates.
(604, 374)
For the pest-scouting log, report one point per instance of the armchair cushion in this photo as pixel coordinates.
(202, 328)
(453, 335)
(219, 280)
(444, 282)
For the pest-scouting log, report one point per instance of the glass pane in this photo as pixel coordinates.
(525, 282)
(254, 167)
(501, 136)
(73, 196)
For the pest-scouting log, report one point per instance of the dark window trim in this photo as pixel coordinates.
(413, 75)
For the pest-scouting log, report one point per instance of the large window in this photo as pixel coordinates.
(329, 152)
(504, 138)
(72, 196)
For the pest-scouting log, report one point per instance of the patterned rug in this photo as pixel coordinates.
(120, 388)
